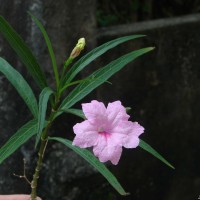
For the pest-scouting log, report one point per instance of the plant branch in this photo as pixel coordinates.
(24, 174)
(43, 145)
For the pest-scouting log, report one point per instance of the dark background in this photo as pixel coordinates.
(162, 88)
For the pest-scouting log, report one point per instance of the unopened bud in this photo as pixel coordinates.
(78, 48)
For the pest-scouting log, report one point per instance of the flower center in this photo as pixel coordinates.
(101, 131)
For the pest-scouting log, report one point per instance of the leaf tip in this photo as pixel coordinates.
(172, 167)
(151, 48)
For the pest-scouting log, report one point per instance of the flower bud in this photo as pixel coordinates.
(78, 48)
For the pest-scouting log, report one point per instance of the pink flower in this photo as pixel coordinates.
(107, 130)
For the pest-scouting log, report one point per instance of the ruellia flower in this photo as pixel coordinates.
(107, 130)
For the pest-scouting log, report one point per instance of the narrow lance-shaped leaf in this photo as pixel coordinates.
(153, 152)
(24, 53)
(19, 138)
(43, 100)
(99, 77)
(95, 53)
(22, 87)
(49, 45)
(76, 112)
(89, 157)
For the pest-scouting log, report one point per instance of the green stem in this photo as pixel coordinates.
(43, 145)
(66, 64)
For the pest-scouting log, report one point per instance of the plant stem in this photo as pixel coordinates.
(44, 141)
(66, 64)
(43, 145)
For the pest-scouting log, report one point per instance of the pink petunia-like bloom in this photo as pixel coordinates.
(107, 130)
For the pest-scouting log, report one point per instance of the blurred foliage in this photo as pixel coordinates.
(111, 12)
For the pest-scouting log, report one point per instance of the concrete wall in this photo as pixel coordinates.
(163, 89)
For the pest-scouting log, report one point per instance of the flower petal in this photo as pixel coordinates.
(132, 140)
(137, 129)
(105, 151)
(116, 112)
(107, 130)
(86, 134)
(95, 111)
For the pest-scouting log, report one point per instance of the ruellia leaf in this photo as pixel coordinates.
(19, 138)
(49, 45)
(95, 53)
(43, 100)
(23, 51)
(89, 157)
(153, 152)
(73, 83)
(20, 84)
(76, 112)
(99, 77)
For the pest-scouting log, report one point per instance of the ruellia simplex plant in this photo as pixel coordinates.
(106, 129)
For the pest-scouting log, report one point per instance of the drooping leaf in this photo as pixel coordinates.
(153, 152)
(95, 53)
(23, 51)
(20, 84)
(19, 138)
(43, 100)
(89, 157)
(99, 77)
(49, 45)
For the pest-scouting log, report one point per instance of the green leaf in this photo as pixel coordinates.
(89, 157)
(72, 83)
(24, 53)
(49, 45)
(22, 87)
(99, 77)
(76, 112)
(43, 100)
(152, 151)
(19, 138)
(95, 53)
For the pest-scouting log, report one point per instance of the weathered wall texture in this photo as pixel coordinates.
(162, 88)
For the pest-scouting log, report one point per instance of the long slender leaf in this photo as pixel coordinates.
(22, 87)
(19, 138)
(49, 45)
(99, 77)
(153, 152)
(43, 100)
(89, 157)
(24, 53)
(76, 112)
(95, 53)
